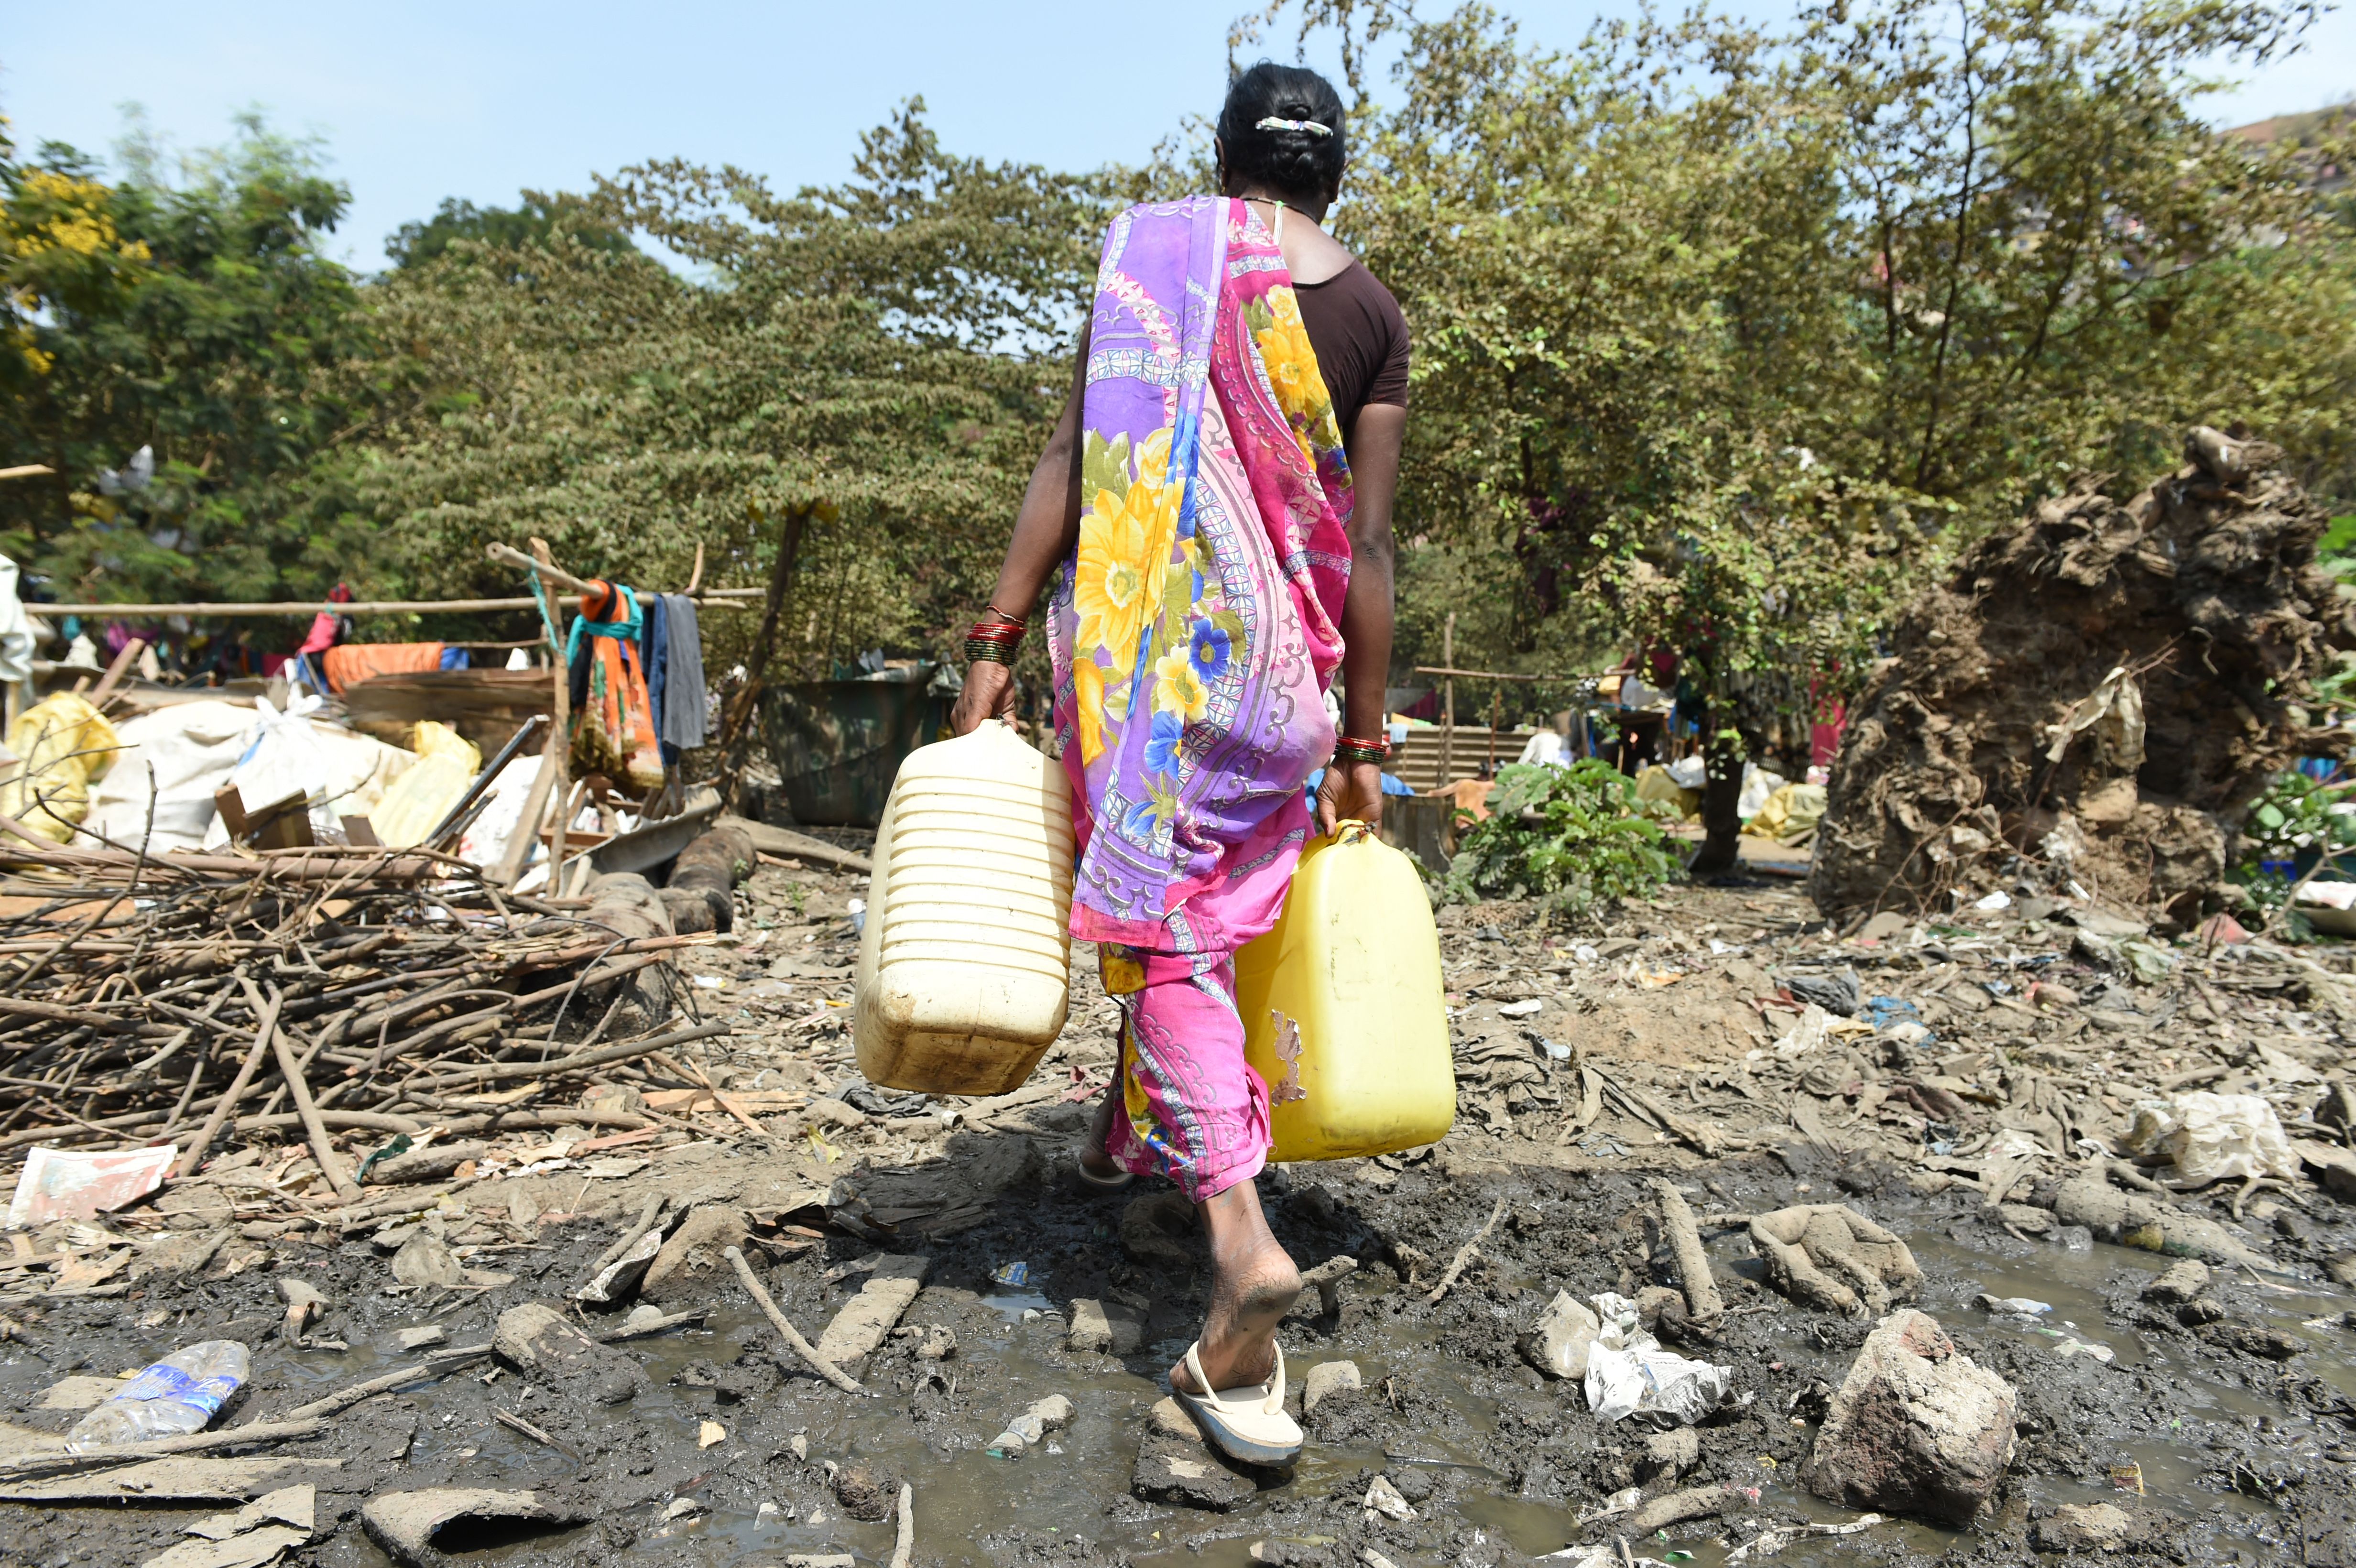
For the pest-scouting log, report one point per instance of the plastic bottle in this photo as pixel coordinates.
(179, 1393)
(964, 960)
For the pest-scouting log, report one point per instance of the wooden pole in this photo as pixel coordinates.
(1448, 710)
(561, 707)
(746, 702)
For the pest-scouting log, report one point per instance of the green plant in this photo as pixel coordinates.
(1571, 837)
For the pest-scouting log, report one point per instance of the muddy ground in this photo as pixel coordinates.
(1654, 1042)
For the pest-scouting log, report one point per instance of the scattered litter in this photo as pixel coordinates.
(1013, 1274)
(1628, 1374)
(57, 1184)
(2072, 1346)
(710, 1433)
(1995, 901)
(179, 1394)
(2213, 1137)
(2128, 1477)
(2012, 1306)
(1767, 1543)
(1520, 1009)
(1383, 1499)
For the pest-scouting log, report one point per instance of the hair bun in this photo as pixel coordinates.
(1282, 127)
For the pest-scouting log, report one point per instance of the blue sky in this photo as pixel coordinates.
(419, 102)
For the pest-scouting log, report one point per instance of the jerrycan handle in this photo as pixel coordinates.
(1350, 830)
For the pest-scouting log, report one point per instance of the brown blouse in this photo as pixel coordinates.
(1361, 341)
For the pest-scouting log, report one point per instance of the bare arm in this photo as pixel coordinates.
(1047, 528)
(1355, 790)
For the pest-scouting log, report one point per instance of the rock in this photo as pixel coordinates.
(1383, 1499)
(404, 1523)
(425, 1260)
(1185, 1473)
(867, 1490)
(1111, 1329)
(2085, 1527)
(826, 1111)
(698, 1246)
(1829, 1256)
(1156, 1228)
(1558, 1347)
(1168, 1417)
(934, 1342)
(422, 1338)
(1050, 1414)
(864, 1322)
(1701, 1502)
(2180, 1284)
(1915, 1428)
(625, 1273)
(1326, 1379)
(1668, 1455)
(428, 1164)
(1656, 1300)
(2270, 1344)
(2341, 1269)
(2027, 1218)
(542, 1341)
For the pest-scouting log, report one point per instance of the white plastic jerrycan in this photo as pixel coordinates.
(965, 966)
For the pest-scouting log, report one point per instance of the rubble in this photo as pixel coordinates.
(1916, 1428)
(2044, 705)
(406, 1523)
(1827, 1255)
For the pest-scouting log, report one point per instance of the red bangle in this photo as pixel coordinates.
(1346, 750)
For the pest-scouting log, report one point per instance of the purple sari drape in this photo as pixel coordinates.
(1196, 626)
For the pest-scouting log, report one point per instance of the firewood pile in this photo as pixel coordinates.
(304, 994)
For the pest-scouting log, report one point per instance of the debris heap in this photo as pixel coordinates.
(2101, 689)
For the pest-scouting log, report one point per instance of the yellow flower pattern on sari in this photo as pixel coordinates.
(1282, 339)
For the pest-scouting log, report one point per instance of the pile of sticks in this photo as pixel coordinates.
(199, 999)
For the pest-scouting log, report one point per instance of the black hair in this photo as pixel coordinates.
(1293, 164)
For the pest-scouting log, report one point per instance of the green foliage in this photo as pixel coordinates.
(529, 222)
(1737, 333)
(1592, 842)
(867, 358)
(208, 343)
(2294, 817)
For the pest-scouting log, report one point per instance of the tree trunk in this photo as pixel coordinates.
(1721, 798)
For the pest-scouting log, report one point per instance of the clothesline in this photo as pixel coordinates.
(718, 598)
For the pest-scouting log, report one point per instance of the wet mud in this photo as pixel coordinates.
(730, 1451)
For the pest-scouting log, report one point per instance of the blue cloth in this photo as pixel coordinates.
(456, 658)
(654, 654)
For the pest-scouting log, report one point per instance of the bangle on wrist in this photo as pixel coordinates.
(1349, 750)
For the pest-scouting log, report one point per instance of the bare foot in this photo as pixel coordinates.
(1093, 1159)
(1253, 1285)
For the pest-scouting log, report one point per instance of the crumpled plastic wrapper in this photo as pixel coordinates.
(1628, 1374)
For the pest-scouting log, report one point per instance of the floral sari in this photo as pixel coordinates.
(1197, 624)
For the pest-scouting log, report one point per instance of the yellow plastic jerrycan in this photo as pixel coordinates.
(965, 965)
(1344, 1013)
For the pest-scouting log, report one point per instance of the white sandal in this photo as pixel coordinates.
(1247, 1424)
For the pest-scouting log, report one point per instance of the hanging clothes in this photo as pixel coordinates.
(352, 663)
(654, 653)
(16, 629)
(612, 719)
(686, 706)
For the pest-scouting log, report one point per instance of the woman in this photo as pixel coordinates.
(1218, 494)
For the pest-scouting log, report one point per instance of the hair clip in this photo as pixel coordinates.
(1312, 126)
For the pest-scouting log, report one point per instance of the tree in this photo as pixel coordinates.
(531, 220)
(1730, 329)
(861, 375)
(199, 317)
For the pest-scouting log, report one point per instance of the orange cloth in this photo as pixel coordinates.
(353, 663)
(613, 729)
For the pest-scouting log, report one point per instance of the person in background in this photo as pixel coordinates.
(1218, 498)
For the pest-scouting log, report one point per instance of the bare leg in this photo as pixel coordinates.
(1093, 1157)
(1253, 1284)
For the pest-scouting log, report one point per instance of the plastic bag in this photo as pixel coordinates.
(63, 745)
(1628, 1374)
(418, 800)
(192, 747)
(341, 773)
(2213, 1137)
